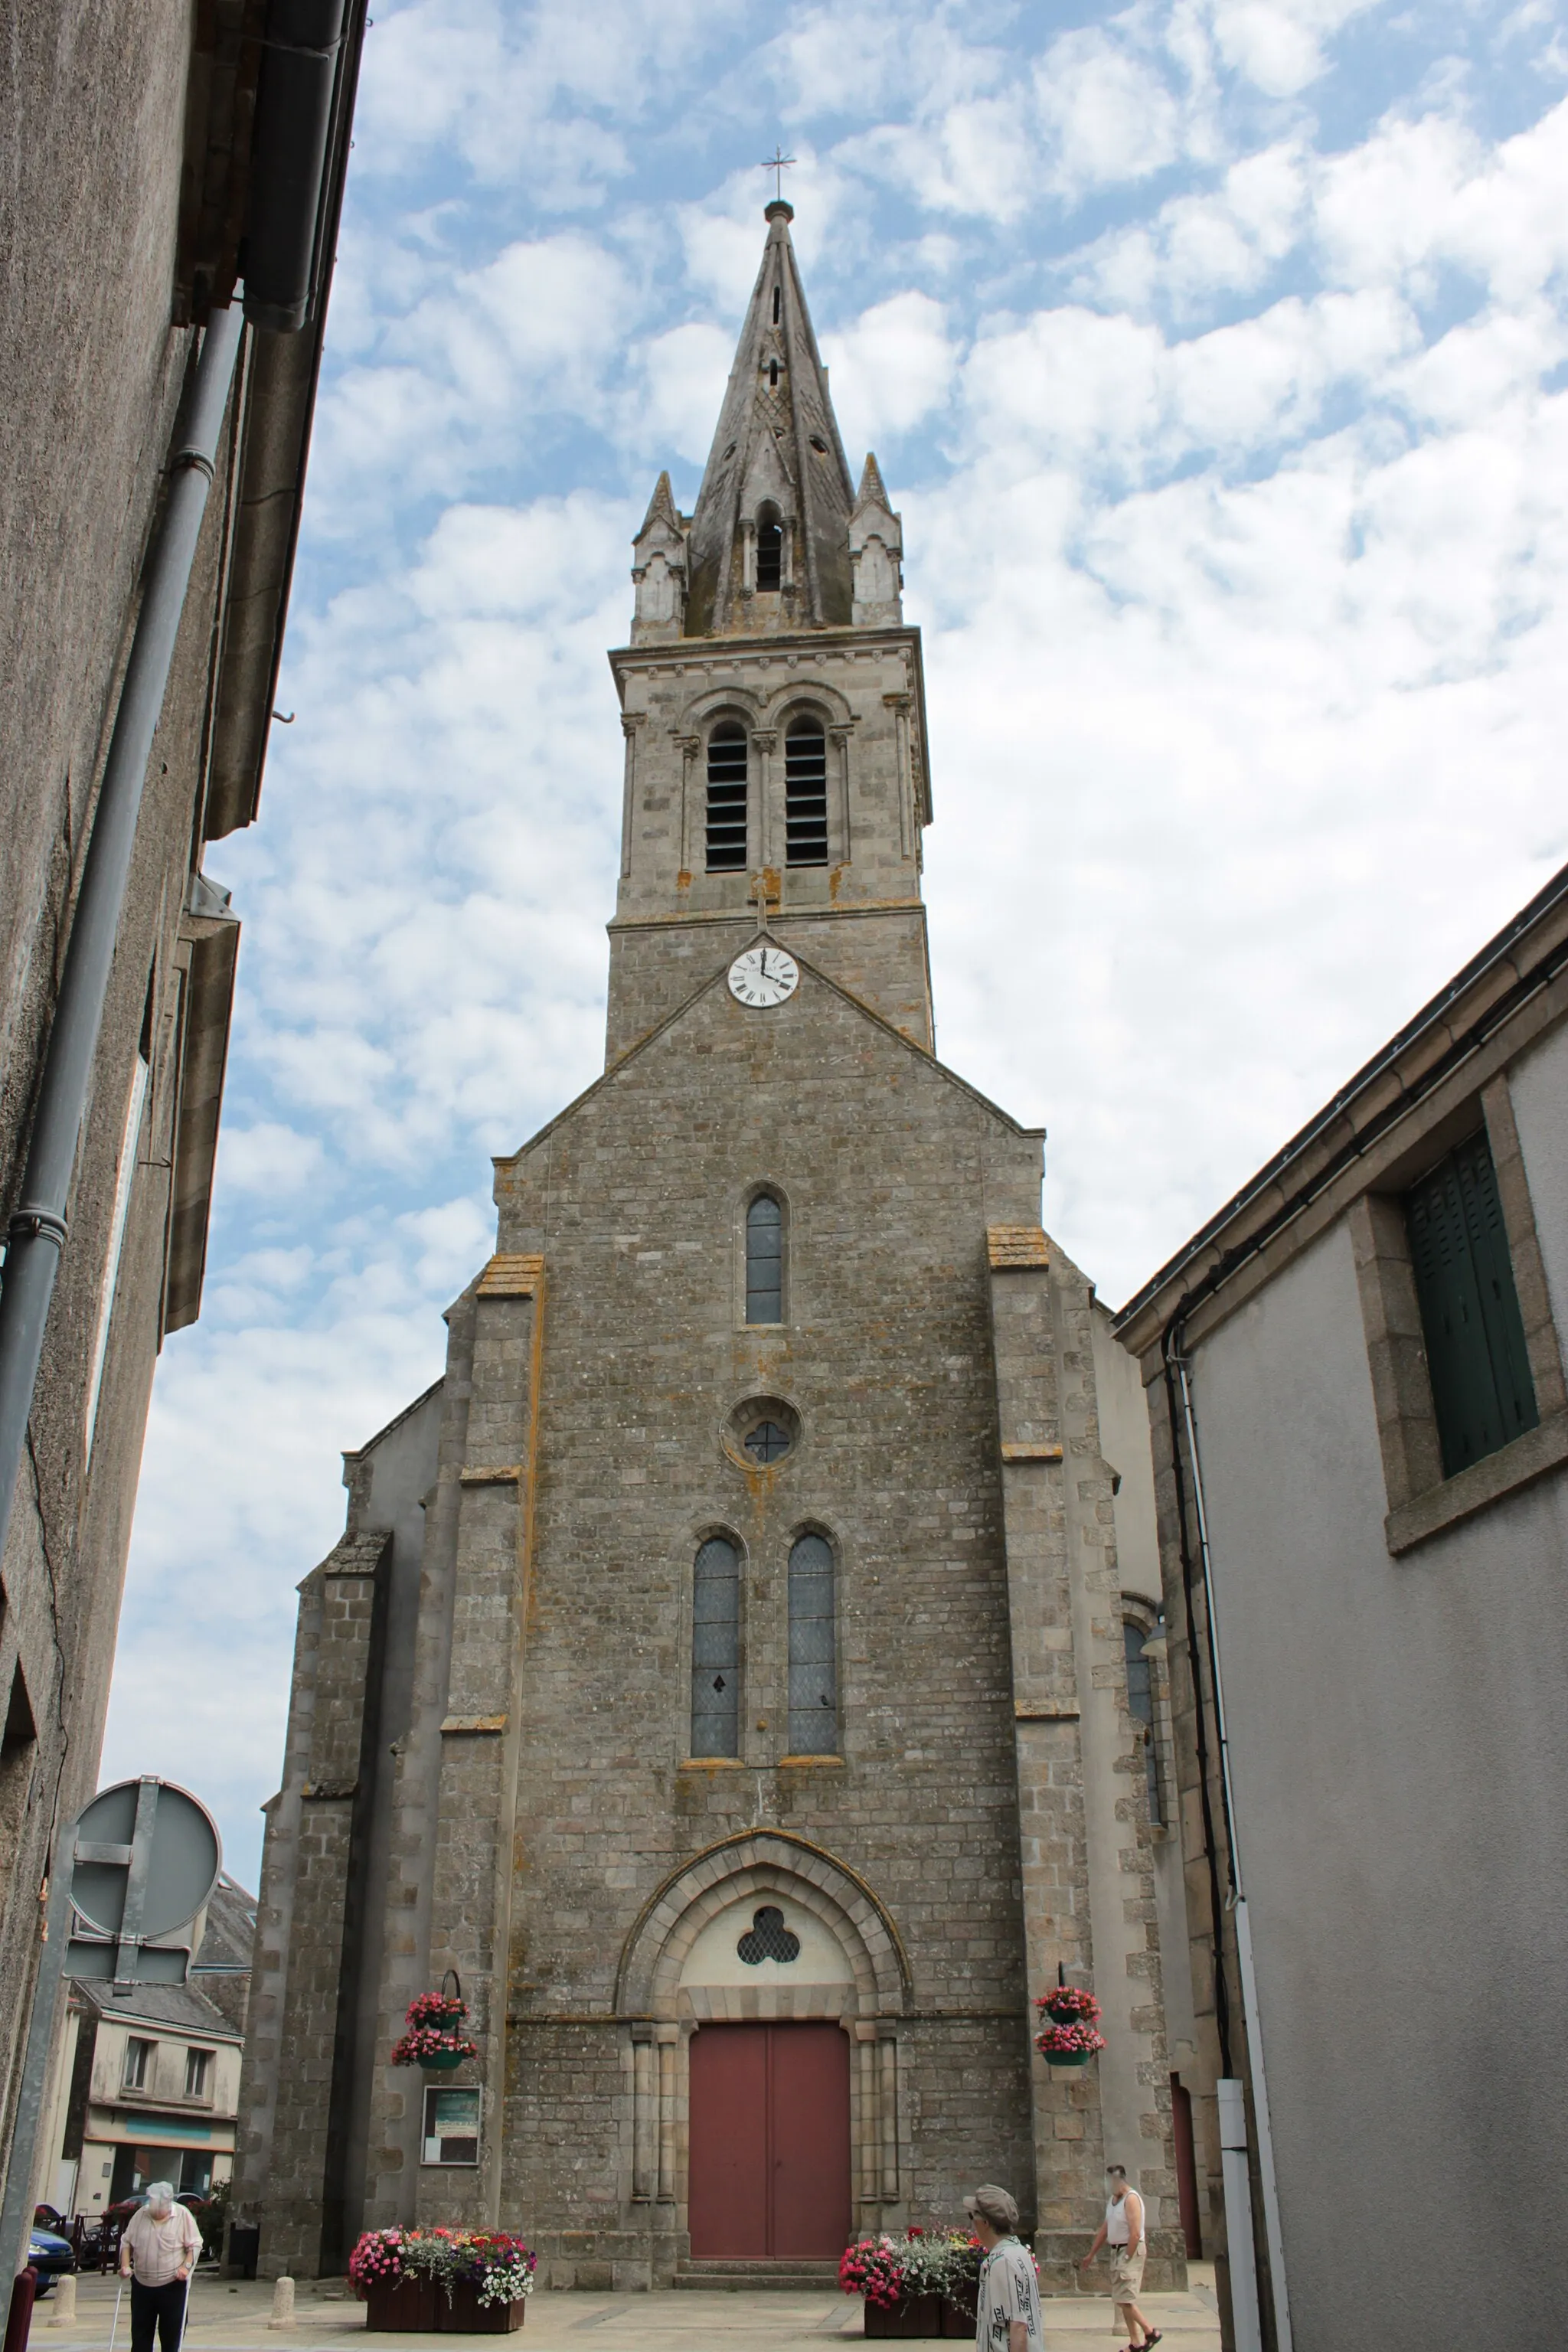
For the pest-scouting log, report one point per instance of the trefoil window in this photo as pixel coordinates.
(727, 798)
(813, 1678)
(806, 793)
(1482, 1394)
(716, 1649)
(764, 1260)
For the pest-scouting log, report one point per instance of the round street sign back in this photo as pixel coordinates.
(176, 1859)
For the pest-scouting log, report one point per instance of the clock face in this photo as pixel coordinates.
(763, 975)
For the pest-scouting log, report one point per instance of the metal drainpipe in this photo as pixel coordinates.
(1233, 2114)
(36, 1233)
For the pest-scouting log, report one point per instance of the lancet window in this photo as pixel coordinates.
(770, 549)
(764, 1260)
(813, 1673)
(1141, 1707)
(716, 1649)
(727, 798)
(806, 793)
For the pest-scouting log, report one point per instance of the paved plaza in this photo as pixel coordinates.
(228, 2318)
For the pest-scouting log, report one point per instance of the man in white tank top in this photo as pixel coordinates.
(1122, 2235)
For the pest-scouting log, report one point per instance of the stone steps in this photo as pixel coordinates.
(746, 2277)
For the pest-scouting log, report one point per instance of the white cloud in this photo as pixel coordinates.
(267, 1157)
(1279, 44)
(890, 368)
(686, 371)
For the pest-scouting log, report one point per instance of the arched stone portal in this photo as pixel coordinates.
(766, 1931)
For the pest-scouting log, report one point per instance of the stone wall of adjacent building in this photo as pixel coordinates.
(91, 376)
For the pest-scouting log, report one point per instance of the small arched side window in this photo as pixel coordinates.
(716, 1649)
(806, 793)
(727, 797)
(813, 1678)
(1141, 1706)
(764, 1260)
(770, 551)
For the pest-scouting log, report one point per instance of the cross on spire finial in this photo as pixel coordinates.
(778, 163)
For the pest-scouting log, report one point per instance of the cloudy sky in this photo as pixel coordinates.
(1217, 355)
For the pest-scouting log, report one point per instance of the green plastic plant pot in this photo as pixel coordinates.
(443, 2061)
(1066, 2057)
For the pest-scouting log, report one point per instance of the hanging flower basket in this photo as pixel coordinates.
(1070, 2036)
(433, 2034)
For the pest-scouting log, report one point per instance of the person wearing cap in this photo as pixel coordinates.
(1007, 2304)
(158, 2252)
(1122, 2235)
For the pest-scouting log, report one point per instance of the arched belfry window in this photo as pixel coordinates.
(1141, 1707)
(813, 1677)
(716, 1649)
(764, 1260)
(727, 797)
(770, 550)
(806, 793)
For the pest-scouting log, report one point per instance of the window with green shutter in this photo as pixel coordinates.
(1481, 1389)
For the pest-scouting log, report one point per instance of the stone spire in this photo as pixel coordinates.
(769, 543)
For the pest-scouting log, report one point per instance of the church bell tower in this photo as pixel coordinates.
(773, 702)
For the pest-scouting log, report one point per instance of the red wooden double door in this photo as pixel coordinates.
(770, 2142)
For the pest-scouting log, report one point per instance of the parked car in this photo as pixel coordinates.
(50, 2256)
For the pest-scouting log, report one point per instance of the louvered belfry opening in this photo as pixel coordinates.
(727, 798)
(764, 1260)
(1478, 1364)
(806, 793)
(716, 1649)
(770, 548)
(813, 1681)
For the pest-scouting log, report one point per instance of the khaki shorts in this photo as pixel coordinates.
(1126, 2275)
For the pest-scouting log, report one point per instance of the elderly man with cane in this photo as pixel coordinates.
(158, 2252)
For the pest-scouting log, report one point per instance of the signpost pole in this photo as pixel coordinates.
(17, 2215)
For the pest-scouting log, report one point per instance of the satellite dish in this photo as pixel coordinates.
(147, 1860)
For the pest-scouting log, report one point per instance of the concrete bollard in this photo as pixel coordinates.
(62, 2303)
(282, 2303)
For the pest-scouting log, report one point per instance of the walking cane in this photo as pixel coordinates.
(184, 2312)
(115, 2323)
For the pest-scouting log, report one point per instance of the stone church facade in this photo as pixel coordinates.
(724, 1667)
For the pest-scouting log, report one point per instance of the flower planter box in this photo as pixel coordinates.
(912, 2314)
(467, 2316)
(419, 2306)
(405, 2304)
(1066, 2057)
(921, 2314)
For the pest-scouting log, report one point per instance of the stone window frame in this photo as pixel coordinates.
(728, 711)
(803, 701)
(1145, 1615)
(753, 1191)
(1421, 1501)
(701, 1532)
